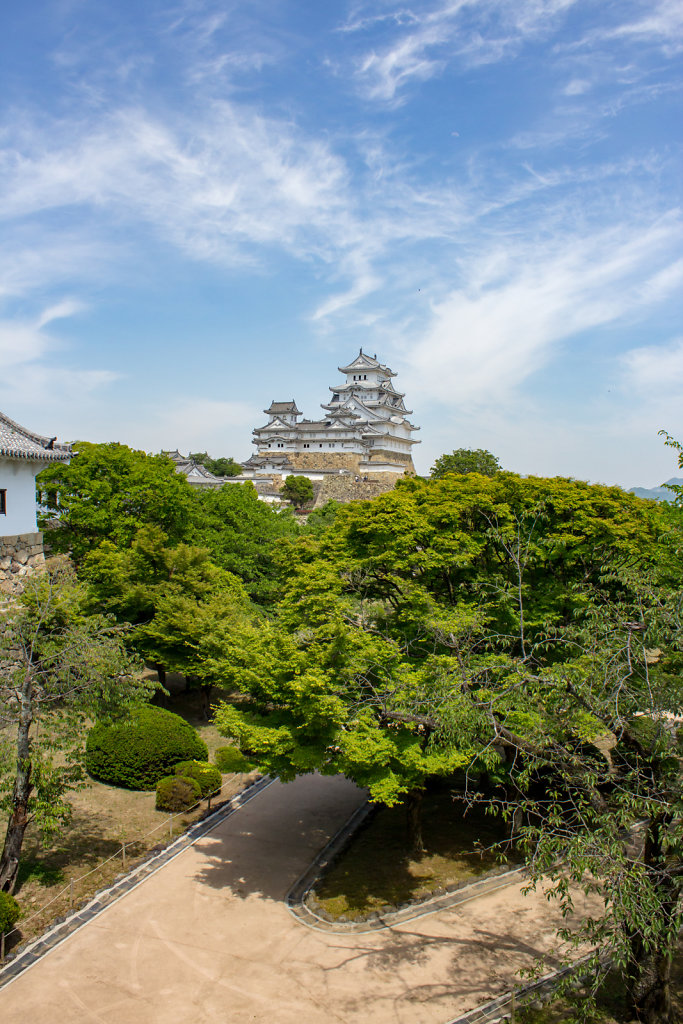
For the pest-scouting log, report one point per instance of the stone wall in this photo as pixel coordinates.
(355, 462)
(347, 488)
(384, 455)
(19, 556)
(319, 459)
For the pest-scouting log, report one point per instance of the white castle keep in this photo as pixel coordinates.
(365, 430)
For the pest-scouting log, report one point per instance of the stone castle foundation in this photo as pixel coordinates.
(20, 555)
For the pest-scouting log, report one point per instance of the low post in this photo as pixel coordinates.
(170, 826)
(2, 948)
(71, 894)
(123, 854)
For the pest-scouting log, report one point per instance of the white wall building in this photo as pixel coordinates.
(365, 428)
(22, 456)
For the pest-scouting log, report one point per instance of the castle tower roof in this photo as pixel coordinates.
(365, 362)
(277, 408)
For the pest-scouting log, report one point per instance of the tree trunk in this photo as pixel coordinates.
(650, 989)
(160, 697)
(206, 689)
(16, 827)
(649, 982)
(414, 822)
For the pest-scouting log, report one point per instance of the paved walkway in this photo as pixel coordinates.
(207, 939)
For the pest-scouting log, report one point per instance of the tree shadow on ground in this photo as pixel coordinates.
(470, 969)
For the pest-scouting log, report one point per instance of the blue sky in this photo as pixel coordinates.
(210, 205)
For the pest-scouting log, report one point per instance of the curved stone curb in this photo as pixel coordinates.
(25, 957)
(296, 897)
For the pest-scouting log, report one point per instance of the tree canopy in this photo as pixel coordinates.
(223, 466)
(298, 490)
(466, 460)
(505, 626)
(107, 492)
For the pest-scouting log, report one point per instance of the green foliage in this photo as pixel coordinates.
(188, 613)
(137, 752)
(520, 629)
(10, 912)
(177, 793)
(219, 467)
(466, 460)
(320, 519)
(109, 491)
(246, 537)
(230, 760)
(206, 775)
(298, 490)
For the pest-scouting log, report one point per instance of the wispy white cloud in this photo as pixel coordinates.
(30, 374)
(518, 305)
(657, 21)
(426, 40)
(60, 310)
(655, 369)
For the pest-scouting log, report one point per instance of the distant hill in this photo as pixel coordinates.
(660, 493)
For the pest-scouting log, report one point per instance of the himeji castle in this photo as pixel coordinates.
(365, 430)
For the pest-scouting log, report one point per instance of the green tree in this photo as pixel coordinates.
(246, 537)
(107, 492)
(59, 667)
(491, 622)
(219, 467)
(466, 460)
(298, 490)
(185, 610)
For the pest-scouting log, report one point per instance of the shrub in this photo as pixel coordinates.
(208, 777)
(230, 759)
(136, 753)
(9, 912)
(177, 793)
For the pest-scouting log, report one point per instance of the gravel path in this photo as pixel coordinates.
(208, 939)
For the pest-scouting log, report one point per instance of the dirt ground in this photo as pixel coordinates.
(209, 939)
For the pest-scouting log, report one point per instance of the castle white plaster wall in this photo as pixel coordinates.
(18, 478)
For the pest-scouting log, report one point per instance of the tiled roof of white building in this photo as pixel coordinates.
(18, 443)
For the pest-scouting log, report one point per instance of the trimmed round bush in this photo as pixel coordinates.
(177, 793)
(136, 753)
(9, 912)
(230, 759)
(208, 777)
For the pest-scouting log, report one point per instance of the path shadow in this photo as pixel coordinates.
(263, 852)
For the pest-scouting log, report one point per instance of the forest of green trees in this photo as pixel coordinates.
(524, 633)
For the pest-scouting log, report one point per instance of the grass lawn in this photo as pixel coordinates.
(103, 817)
(378, 870)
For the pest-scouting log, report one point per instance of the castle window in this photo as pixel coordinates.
(330, 446)
(306, 445)
(320, 445)
(3, 503)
